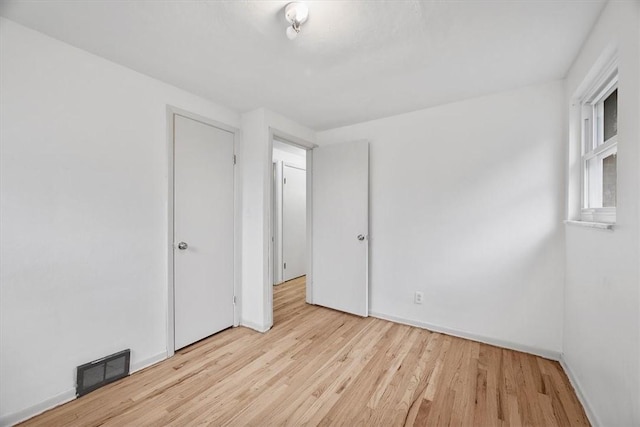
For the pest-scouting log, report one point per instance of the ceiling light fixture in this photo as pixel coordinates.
(296, 13)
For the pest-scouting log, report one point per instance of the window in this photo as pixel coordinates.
(600, 150)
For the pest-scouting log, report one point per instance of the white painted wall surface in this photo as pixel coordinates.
(255, 177)
(256, 166)
(467, 207)
(602, 297)
(84, 214)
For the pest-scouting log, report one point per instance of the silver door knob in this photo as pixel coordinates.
(360, 237)
(182, 246)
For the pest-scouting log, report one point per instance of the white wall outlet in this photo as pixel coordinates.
(418, 297)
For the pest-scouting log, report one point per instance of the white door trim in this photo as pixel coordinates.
(294, 165)
(171, 112)
(268, 281)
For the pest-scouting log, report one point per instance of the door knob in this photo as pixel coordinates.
(182, 246)
(360, 237)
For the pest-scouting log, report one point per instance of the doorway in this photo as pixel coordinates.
(337, 228)
(289, 212)
(289, 221)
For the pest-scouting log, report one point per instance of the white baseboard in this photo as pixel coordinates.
(141, 364)
(38, 408)
(254, 326)
(588, 409)
(547, 354)
(67, 396)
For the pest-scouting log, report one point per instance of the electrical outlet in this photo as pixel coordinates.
(418, 297)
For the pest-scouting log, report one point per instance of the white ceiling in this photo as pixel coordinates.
(354, 60)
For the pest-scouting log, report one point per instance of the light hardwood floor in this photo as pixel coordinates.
(322, 367)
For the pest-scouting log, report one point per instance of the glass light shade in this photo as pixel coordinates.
(296, 12)
(302, 12)
(291, 33)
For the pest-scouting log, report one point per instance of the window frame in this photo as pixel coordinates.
(592, 144)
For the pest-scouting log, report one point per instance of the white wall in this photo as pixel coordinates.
(602, 298)
(84, 214)
(255, 161)
(467, 207)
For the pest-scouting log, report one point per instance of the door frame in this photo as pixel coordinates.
(237, 248)
(275, 133)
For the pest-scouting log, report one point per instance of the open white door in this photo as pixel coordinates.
(341, 227)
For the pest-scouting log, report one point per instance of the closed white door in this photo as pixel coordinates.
(341, 227)
(294, 222)
(203, 230)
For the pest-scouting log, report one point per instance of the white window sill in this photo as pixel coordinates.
(588, 224)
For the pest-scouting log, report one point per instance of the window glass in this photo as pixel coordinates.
(611, 115)
(593, 196)
(609, 174)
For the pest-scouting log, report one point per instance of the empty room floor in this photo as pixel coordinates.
(318, 366)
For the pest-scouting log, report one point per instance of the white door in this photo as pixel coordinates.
(341, 227)
(203, 230)
(294, 222)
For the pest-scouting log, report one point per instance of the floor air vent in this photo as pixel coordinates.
(98, 373)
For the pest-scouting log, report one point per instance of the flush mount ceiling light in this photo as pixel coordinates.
(296, 13)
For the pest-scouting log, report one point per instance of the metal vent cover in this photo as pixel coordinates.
(93, 375)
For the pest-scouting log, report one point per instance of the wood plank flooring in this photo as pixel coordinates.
(322, 367)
